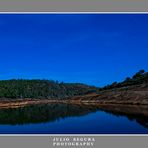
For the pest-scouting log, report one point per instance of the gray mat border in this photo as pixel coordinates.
(74, 5)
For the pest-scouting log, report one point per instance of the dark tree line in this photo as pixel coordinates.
(41, 89)
(47, 89)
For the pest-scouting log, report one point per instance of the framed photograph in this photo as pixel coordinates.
(74, 79)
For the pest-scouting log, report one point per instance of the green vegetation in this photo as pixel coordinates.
(139, 78)
(39, 89)
(47, 89)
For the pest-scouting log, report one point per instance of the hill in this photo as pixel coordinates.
(132, 90)
(41, 89)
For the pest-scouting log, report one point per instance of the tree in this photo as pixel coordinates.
(114, 84)
(127, 79)
(138, 74)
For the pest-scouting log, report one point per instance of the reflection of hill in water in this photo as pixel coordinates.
(139, 113)
(54, 111)
(42, 113)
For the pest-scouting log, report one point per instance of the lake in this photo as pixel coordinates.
(64, 118)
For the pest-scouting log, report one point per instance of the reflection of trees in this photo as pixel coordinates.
(132, 112)
(42, 113)
(54, 111)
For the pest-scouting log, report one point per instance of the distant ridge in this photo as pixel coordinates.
(41, 89)
(48, 89)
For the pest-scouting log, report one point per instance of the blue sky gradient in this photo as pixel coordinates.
(95, 49)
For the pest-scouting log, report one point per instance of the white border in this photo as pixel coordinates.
(122, 12)
(64, 135)
(88, 135)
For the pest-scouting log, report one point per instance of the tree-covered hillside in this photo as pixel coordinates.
(41, 89)
(139, 78)
(47, 89)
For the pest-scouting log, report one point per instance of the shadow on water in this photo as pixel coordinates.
(55, 111)
(139, 113)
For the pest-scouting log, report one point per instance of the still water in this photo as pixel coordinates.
(62, 118)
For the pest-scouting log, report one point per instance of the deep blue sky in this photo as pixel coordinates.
(95, 49)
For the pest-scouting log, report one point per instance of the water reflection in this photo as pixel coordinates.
(54, 111)
(139, 113)
(42, 113)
